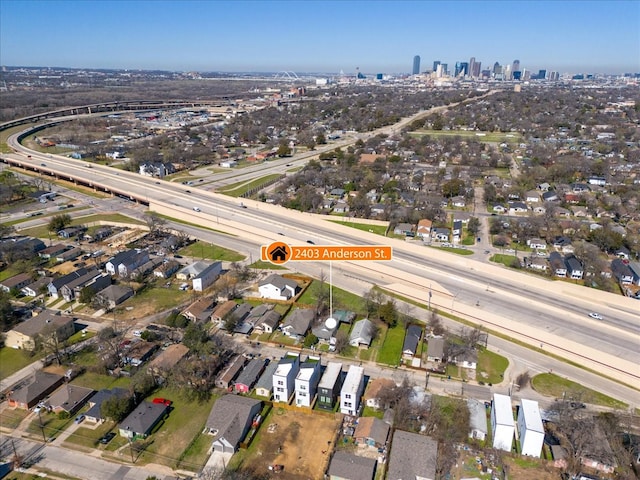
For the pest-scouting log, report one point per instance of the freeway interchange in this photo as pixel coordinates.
(547, 315)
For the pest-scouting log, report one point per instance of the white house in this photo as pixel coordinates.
(530, 428)
(306, 383)
(362, 333)
(276, 287)
(284, 377)
(477, 419)
(206, 277)
(352, 390)
(502, 424)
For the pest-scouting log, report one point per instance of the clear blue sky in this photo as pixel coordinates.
(320, 36)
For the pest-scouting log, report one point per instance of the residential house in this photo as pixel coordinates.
(467, 359)
(371, 431)
(411, 341)
(457, 230)
(52, 251)
(166, 269)
(477, 419)
(28, 392)
(222, 310)
(330, 385)
(249, 375)
(352, 389)
(277, 287)
(499, 208)
(326, 330)
(192, 270)
(36, 288)
(140, 422)
(228, 374)
(94, 414)
(458, 201)
(563, 244)
(341, 207)
(362, 333)
(69, 255)
(344, 316)
(635, 270)
(621, 271)
(306, 381)
(575, 270)
(440, 234)
(44, 326)
(517, 207)
(597, 453)
(264, 386)
(530, 428)
(139, 352)
(550, 196)
(297, 323)
(284, 377)
(558, 267)
(532, 196)
(347, 466)
(269, 321)
(406, 229)
(69, 398)
(156, 169)
(372, 394)
(405, 463)
(206, 277)
(93, 280)
(100, 234)
(461, 216)
(502, 424)
(536, 263)
(113, 295)
(230, 420)
(239, 316)
(424, 228)
(16, 282)
(537, 243)
(166, 360)
(57, 283)
(71, 232)
(125, 263)
(200, 311)
(435, 350)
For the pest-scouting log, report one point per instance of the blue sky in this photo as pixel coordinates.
(320, 36)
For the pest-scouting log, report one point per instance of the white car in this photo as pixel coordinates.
(595, 315)
(196, 209)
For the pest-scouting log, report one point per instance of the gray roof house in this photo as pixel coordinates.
(264, 386)
(17, 281)
(347, 466)
(125, 263)
(362, 333)
(325, 330)
(57, 283)
(372, 431)
(94, 414)
(192, 271)
(207, 276)
(298, 322)
(36, 288)
(28, 392)
(230, 372)
(114, 295)
(411, 340)
(435, 349)
(93, 279)
(141, 421)
(276, 287)
(406, 463)
(477, 419)
(249, 375)
(229, 421)
(69, 398)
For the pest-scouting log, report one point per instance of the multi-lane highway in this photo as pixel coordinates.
(551, 314)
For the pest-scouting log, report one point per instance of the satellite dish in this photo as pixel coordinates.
(331, 323)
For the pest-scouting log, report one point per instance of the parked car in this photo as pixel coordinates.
(162, 401)
(107, 438)
(79, 419)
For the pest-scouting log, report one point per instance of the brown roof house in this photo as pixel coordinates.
(47, 326)
(373, 391)
(371, 431)
(200, 310)
(229, 374)
(28, 392)
(167, 359)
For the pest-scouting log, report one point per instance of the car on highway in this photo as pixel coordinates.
(595, 315)
(311, 242)
(107, 438)
(196, 209)
(43, 164)
(79, 419)
(188, 191)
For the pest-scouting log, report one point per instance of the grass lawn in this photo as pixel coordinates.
(506, 260)
(11, 418)
(176, 439)
(342, 300)
(372, 412)
(555, 386)
(365, 227)
(211, 252)
(152, 300)
(266, 266)
(459, 251)
(491, 366)
(43, 232)
(391, 350)
(52, 425)
(488, 137)
(240, 188)
(98, 381)
(89, 437)
(12, 360)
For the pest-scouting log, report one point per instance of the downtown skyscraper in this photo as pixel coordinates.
(416, 65)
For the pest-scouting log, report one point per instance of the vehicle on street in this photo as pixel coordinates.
(487, 252)
(43, 164)
(79, 419)
(196, 209)
(595, 315)
(311, 242)
(188, 191)
(162, 401)
(107, 438)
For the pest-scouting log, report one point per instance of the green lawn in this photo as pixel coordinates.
(459, 251)
(365, 227)
(12, 360)
(11, 418)
(260, 265)
(391, 350)
(506, 260)
(555, 386)
(52, 425)
(342, 300)
(491, 366)
(241, 188)
(488, 137)
(89, 437)
(152, 300)
(43, 232)
(209, 251)
(98, 381)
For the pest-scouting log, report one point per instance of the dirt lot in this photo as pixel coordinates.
(470, 464)
(299, 441)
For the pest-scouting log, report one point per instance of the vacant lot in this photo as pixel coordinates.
(300, 441)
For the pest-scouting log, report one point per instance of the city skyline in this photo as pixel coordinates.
(322, 36)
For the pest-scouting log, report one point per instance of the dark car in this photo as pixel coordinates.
(188, 191)
(311, 242)
(107, 438)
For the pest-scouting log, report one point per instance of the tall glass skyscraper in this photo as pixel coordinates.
(416, 65)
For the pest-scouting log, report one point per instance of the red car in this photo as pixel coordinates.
(163, 401)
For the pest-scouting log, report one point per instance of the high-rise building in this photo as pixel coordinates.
(458, 69)
(542, 74)
(445, 68)
(477, 68)
(435, 65)
(416, 65)
(472, 67)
